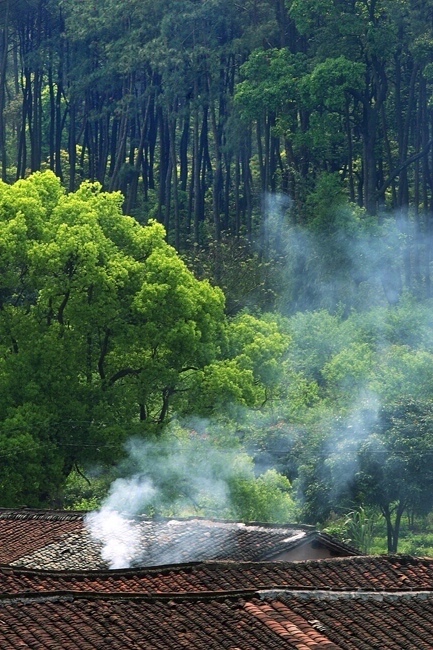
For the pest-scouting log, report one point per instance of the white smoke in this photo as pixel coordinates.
(185, 476)
(343, 443)
(171, 477)
(112, 525)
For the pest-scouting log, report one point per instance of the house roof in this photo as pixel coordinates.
(61, 540)
(216, 622)
(23, 532)
(358, 603)
(375, 574)
(90, 624)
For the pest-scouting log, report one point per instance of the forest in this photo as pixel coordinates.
(216, 249)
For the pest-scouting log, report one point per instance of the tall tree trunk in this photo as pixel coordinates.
(369, 158)
(196, 169)
(175, 181)
(4, 47)
(72, 145)
(164, 162)
(217, 179)
(132, 195)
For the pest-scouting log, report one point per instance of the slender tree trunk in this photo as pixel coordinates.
(393, 528)
(196, 170)
(183, 152)
(369, 158)
(261, 156)
(164, 162)
(175, 182)
(4, 47)
(132, 195)
(120, 152)
(52, 123)
(217, 174)
(72, 146)
(349, 151)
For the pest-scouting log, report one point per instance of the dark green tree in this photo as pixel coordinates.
(395, 464)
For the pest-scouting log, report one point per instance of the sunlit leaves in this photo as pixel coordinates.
(100, 319)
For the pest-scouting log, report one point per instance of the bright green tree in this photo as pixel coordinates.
(100, 325)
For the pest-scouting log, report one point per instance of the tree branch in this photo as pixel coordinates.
(104, 350)
(125, 372)
(63, 307)
(403, 166)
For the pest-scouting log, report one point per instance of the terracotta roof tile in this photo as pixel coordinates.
(88, 622)
(357, 603)
(40, 539)
(364, 573)
(18, 537)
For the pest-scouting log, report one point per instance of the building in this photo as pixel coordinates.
(60, 540)
(351, 603)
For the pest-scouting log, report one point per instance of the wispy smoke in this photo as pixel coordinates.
(170, 477)
(339, 257)
(342, 445)
(112, 525)
(344, 264)
(342, 261)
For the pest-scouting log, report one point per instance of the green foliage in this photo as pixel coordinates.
(271, 82)
(264, 499)
(317, 337)
(331, 80)
(361, 525)
(359, 528)
(191, 471)
(250, 370)
(249, 280)
(307, 12)
(348, 371)
(404, 374)
(395, 459)
(86, 491)
(100, 322)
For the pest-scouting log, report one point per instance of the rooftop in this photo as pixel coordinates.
(61, 540)
(369, 574)
(360, 603)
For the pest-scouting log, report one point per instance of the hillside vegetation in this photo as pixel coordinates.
(216, 255)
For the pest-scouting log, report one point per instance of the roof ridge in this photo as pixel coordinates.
(8, 569)
(333, 594)
(39, 513)
(49, 515)
(66, 594)
(277, 593)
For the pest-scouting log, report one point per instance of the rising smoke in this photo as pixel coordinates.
(343, 264)
(174, 476)
(113, 527)
(357, 268)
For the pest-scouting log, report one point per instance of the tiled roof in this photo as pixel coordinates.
(399, 574)
(90, 624)
(360, 603)
(245, 622)
(24, 532)
(367, 623)
(361, 623)
(61, 541)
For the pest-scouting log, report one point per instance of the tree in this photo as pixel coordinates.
(395, 464)
(248, 369)
(101, 324)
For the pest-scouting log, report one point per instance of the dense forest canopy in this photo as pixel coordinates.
(219, 210)
(195, 109)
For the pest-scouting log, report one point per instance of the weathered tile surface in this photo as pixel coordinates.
(358, 603)
(38, 539)
(399, 574)
(90, 622)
